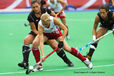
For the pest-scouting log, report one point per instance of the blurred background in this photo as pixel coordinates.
(24, 5)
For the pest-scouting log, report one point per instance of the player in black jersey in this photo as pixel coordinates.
(33, 19)
(106, 20)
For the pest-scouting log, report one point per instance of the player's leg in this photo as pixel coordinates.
(26, 50)
(63, 19)
(76, 53)
(60, 52)
(101, 31)
(36, 51)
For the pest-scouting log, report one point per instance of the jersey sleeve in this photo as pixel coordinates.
(30, 18)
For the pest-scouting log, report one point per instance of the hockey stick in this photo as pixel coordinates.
(80, 49)
(31, 70)
(26, 24)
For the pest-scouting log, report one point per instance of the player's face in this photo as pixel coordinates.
(46, 23)
(36, 7)
(103, 13)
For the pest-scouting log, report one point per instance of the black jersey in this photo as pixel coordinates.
(109, 23)
(33, 18)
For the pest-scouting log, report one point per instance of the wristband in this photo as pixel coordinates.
(94, 37)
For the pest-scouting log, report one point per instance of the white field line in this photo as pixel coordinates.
(98, 66)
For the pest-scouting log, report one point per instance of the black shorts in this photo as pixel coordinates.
(32, 33)
(109, 27)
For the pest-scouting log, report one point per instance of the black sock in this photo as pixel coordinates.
(62, 55)
(25, 52)
(92, 49)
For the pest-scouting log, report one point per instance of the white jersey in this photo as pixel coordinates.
(52, 27)
(56, 6)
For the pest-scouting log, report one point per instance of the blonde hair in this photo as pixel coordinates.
(45, 17)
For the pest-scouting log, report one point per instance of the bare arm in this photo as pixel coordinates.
(47, 4)
(33, 28)
(63, 4)
(112, 2)
(62, 26)
(53, 14)
(96, 22)
(40, 30)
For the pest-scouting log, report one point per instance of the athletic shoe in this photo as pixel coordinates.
(37, 68)
(69, 63)
(88, 63)
(23, 65)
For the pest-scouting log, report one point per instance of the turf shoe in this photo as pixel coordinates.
(88, 63)
(23, 65)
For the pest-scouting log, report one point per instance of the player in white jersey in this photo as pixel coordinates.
(48, 28)
(58, 7)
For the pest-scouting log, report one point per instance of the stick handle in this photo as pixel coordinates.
(94, 41)
(48, 55)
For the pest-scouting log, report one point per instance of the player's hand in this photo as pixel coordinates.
(94, 38)
(43, 58)
(56, 15)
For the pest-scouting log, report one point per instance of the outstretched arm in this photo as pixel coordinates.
(63, 4)
(33, 28)
(113, 24)
(40, 31)
(95, 27)
(62, 26)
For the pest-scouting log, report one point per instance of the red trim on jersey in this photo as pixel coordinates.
(61, 15)
(53, 35)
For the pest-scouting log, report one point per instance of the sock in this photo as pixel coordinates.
(63, 56)
(36, 54)
(25, 51)
(92, 49)
(77, 54)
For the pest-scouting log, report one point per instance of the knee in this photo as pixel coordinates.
(25, 41)
(54, 46)
(68, 49)
(34, 44)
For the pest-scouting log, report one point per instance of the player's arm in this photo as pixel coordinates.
(113, 19)
(113, 24)
(33, 28)
(51, 12)
(62, 26)
(47, 4)
(112, 2)
(63, 4)
(40, 30)
(96, 22)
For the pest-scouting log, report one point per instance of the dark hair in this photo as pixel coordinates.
(33, 1)
(106, 7)
(41, 2)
